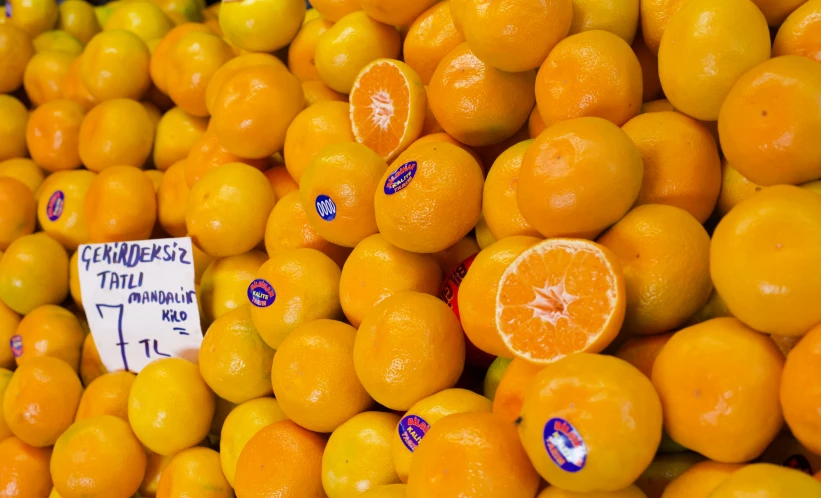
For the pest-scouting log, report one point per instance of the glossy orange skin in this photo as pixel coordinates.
(301, 51)
(478, 104)
(119, 132)
(13, 118)
(52, 135)
(315, 127)
(24, 470)
(395, 13)
(46, 75)
(500, 205)
(70, 228)
(768, 480)
(641, 352)
(281, 181)
(33, 272)
(700, 480)
(77, 18)
(776, 11)
(770, 122)
(208, 153)
(106, 395)
(651, 85)
(158, 66)
(120, 205)
(172, 199)
(284, 460)
(253, 110)
(334, 10)
(74, 89)
(431, 36)
(718, 382)
(515, 382)
(801, 391)
(191, 63)
(50, 330)
(195, 471)
(114, 65)
(16, 50)
(17, 211)
(177, 132)
(24, 170)
(799, 35)
(230, 68)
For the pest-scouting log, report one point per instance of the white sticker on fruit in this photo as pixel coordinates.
(140, 301)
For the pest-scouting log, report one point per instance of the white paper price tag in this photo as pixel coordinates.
(140, 301)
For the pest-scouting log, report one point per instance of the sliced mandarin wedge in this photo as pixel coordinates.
(559, 297)
(388, 105)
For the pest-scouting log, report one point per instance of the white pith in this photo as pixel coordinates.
(381, 109)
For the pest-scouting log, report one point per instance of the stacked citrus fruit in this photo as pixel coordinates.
(459, 248)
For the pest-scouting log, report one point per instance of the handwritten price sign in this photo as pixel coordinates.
(140, 301)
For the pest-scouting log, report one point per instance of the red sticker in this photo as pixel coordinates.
(450, 288)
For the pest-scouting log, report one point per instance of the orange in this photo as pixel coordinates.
(317, 126)
(572, 426)
(114, 65)
(34, 17)
(377, 269)
(224, 285)
(41, 399)
(441, 136)
(415, 205)
(13, 118)
(232, 338)
(24, 469)
(253, 109)
(697, 67)
(24, 170)
(52, 134)
(301, 51)
(195, 471)
(9, 320)
(116, 133)
(144, 19)
(16, 50)
(620, 18)
(50, 330)
(190, 64)
(474, 454)
(720, 363)
(261, 25)
(240, 426)
(655, 16)
(776, 11)
(58, 40)
(629, 492)
(767, 480)
(594, 73)
(61, 209)
(664, 468)
(386, 491)
(5, 378)
(763, 261)
(338, 186)
(799, 33)
(159, 58)
(106, 395)
(594, 166)
(282, 459)
(535, 123)
(295, 286)
(45, 76)
(665, 255)
(431, 125)
(231, 67)
(228, 208)
(514, 383)
(408, 347)
(770, 121)
(558, 297)
(700, 480)
(395, 13)
(431, 36)
(641, 352)
(177, 132)
(651, 86)
(282, 183)
(357, 457)
(314, 379)
(75, 90)
(539, 26)
(317, 91)
(288, 228)
(208, 153)
(17, 211)
(334, 10)
(493, 104)
(499, 198)
(172, 199)
(349, 45)
(91, 366)
(419, 418)
(734, 188)
(477, 292)
(77, 17)
(120, 205)
(801, 391)
(452, 257)
(33, 272)
(170, 406)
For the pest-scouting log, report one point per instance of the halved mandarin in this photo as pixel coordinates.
(388, 105)
(559, 297)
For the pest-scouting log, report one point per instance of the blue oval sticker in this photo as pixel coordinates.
(412, 428)
(564, 445)
(16, 345)
(8, 9)
(401, 178)
(261, 293)
(326, 207)
(54, 208)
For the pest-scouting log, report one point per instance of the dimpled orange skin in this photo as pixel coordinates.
(69, 228)
(431, 36)
(593, 164)
(177, 132)
(315, 127)
(106, 395)
(594, 73)
(301, 51)
(24, 469)
(232, 67)
(718, 382)
(472, 454)
(801, 391)
(655, 16)
(334, 10)
(13, 118)
(50, 330)
(500, 206)
(96, 458)
(478, 104)
(800, 32)
(17, 211)
(16, 50)
(116, 133)
(423, 216)
(768, 480)
(763, 260)
(700, 480)
(697, 66)
(158, 66)
(46, 75)
(52, 135)
(207, 153)
(408, 347)
(281, 181)
(144, 19)
(190, 64)
(282, 460)
(120, 205)
(612, 406)
(395, 13)
(114, 65)
(33, 272)
(314, 379)
(771, 120)
(41, 399)
(253, 109)
(224, 285)
(195, 471)
(24, 170)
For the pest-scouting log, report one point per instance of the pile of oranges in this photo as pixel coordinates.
(460, 248)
